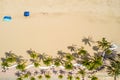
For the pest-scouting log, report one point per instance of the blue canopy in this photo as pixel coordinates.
(26, 13)
(7, 18)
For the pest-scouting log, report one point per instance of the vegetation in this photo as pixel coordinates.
(94, 78)
(76, 64)
(47, 76)
(60, 76)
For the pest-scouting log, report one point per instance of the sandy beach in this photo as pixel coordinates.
(55, 24)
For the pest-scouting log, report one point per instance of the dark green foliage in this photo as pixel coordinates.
(104, 44)
(47, 76)
(36, 64)
(90, 63)
(82, 51)
(69, 57)
(60, 76)
(32, 54)
(40, 77)
(94, 78)
(48, 61)
(19, 78)
(70, 77)
(21, 66)
(68, 65)
(32, 78)
(77, 78)
(114, 68)
(82, 72)
(57, 63)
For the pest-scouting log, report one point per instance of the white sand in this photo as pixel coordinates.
(55, 24)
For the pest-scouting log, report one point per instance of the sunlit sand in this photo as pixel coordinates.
(55, 24)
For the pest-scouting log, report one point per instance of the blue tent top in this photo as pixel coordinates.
(26, 13)
(7, 18)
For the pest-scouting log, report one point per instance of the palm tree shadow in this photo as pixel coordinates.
(8, 54)
(87, 40)
(29, 51)
(18, 74)
(95, 48)
(72, 47)
(3, 59)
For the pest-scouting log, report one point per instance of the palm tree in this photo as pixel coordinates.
(4, 65)
(69, 57)
(10, 57)
(103, 43)
(96, 62)
(47, 76)
(77, 78)
(36, 64)
(114, 69)
(9, 60)
(33, 55)
(10, 54)
(68, 65)
(60, 76)
(26, 75)
(57, 61)
(23, 74)
(32, 78)
(92, 62)
(94, 78)
(40, 77)
(82, 51)
(48, 60)
(70, 77)
(82, 72)
(87, 40)
(85, 62)
(19, 59)
(21, 66)
(19, 78)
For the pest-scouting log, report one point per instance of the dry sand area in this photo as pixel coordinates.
(55, 24)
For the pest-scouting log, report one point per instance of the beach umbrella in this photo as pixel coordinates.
(7, 18)
(26, 13)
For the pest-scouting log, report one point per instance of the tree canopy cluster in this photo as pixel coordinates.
(76, 64)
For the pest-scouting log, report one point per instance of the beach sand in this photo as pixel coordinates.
(55, 24)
